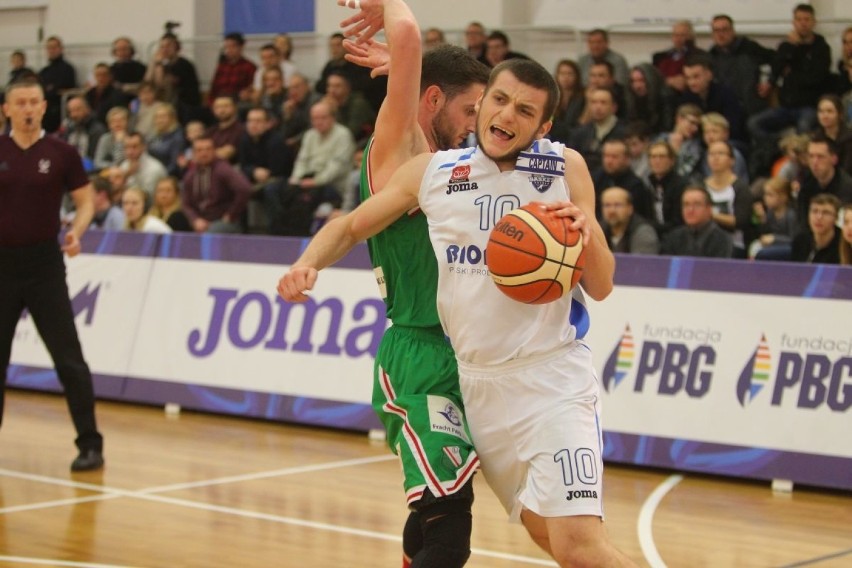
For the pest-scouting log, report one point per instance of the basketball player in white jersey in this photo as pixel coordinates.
(526, 376)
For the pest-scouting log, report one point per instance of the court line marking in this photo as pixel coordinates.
(818, 559)
(105, 492)
(644, 525)
(51, 562)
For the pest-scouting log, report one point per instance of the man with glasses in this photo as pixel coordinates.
(820, 242)
(700, 236)
(741, 63)
(624, 230)
(474, 39)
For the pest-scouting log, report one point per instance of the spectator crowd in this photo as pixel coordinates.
(738, 150)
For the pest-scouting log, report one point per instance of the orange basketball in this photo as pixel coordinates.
(534, 256)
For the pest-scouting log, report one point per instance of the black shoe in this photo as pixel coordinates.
(88, 460)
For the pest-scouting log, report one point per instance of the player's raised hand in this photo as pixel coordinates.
(568, 209)
(294, 285)
(373, 54)
(367, 22)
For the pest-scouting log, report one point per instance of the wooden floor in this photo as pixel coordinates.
(207, 491)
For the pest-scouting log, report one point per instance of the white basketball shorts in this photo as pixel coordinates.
(535, 425)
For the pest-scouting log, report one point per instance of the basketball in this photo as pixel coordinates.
(534, 256)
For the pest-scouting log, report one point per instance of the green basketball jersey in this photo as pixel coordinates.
(404, 264)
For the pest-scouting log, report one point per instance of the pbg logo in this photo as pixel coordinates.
(809, 372)
(669, 361)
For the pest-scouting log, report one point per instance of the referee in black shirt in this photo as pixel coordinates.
(35, 172)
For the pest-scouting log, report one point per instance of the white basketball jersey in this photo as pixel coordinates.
(464, 194)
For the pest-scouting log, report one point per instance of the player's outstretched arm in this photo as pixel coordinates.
(338, 236)
(600, 263)
(397, 135)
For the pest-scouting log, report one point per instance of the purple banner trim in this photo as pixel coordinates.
(226, 248)
(268, 406)
(739, 276)
(720, 459)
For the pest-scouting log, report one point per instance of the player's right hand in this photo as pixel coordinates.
(294, 285)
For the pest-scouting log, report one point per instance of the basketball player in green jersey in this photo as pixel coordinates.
(429, 106)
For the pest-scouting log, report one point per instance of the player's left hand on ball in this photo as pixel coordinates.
(294, 285)
(578, 218)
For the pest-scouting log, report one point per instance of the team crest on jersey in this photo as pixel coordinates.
(44, 166)
(460, 173)
(541, 183)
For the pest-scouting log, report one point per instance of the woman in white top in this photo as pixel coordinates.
(134, 202)
(731, 196)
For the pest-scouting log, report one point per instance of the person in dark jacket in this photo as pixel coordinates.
(801, 68)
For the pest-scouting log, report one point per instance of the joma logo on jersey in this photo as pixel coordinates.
(463, 186)
(584, 494)
(813, 379)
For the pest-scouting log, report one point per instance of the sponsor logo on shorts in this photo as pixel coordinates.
(445, 416)
(584, 494)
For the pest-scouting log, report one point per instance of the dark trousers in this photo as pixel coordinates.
(33, 277)
(291, 209)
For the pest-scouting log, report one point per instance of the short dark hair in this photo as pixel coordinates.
(821, 138)
(498, 35)
(827, 199)
(264, 110)
(101, 184)
(610, 68)
(25, 82)
(708, 199)
(530, 72)
(236, 37)
(805, 8)
(725, 17)
(599, 31)
(702, 59)
(171, 37)
(452, 69)
(136, 134)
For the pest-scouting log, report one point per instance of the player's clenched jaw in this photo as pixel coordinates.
(510, 117)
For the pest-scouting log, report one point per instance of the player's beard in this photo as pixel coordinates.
(443, 132)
